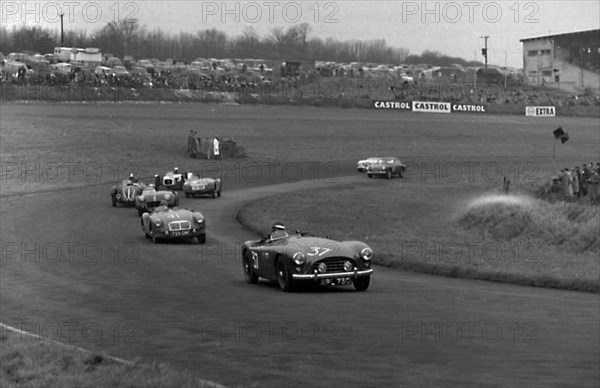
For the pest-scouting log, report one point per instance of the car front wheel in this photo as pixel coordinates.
(388, 174)
(249, 274)
(284, 278)
(362, 283)
(202, 239)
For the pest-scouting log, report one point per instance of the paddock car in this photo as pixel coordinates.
(363, 164)
(387, 167)
(126, 192)
(291, 259)
(150, 198)
(173, 180)
(166, 223)
(195, 185)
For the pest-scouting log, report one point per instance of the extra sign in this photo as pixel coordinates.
(540, 111)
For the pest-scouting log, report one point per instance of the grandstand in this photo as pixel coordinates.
(569, 61)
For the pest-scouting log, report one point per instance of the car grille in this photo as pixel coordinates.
(168, 181)
(334, 264)
(180, 225)
(152, 204)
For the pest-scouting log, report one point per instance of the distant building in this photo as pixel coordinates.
(568, 61)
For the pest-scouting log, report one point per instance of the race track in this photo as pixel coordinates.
(80, 271)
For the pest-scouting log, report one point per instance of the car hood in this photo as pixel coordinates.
(318, 248)
(173, 215)
(157, 195)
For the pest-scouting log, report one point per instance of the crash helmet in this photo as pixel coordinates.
(131, 176)
(176, 170)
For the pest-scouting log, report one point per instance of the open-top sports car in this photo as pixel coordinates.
(387, 167)
(195, 185)
(173, 180)
(363, 164)
(167, 223)
(150, 198)
(126, 192)
(289, 259)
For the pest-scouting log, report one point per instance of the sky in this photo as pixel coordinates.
(455, 28)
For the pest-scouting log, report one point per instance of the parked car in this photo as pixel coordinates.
(387, 167)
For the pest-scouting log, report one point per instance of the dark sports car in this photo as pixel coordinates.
(150, 198)
(387, 167)
(126, 192)
(290, 259)
(195, 185)
(166, 223)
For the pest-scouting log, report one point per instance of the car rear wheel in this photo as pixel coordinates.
(370, 175)
(361, 283)
(284, 278)
(202, 239)
(249, 274)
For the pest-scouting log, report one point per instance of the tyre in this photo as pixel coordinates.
(213, 195)
(361, 283)
(140, 212)
(187, 195)
(114, 202)
(370, 175)
(153, 236)
(249, 274)
(219, 193)
(202, 239)
(284, 278)
(388, 174)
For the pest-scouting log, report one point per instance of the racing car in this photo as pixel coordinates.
(173, 223)
(301, 257)
(126, 192)
(150, 198)
(195, 185)
(173, 180)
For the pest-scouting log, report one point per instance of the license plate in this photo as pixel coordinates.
(336, 282)
(179, 234)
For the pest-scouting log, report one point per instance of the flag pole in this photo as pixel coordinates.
(553, 158)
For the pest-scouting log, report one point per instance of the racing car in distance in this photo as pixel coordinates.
(387, 167)
(126, 192)
(150, 198)
(291, 259)
(195, 185)
(363, 164)
(173, 180)
(166, 223)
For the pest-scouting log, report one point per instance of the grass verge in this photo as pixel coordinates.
(446, 229)
(27, 361)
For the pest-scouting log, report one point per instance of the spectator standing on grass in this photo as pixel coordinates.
(567, 181)
(595, 186)
(216, 148)
(576, 175)
(584, 181)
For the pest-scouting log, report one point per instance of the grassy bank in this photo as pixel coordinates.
(448, 230)
(32, 362)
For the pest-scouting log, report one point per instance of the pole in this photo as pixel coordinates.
(553, 158)
(62, 34)
(486, 50)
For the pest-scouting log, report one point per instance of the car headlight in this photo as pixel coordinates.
(157, 222)
(299, 258)
(366, 254)
(141, 198)
(199, 218)
(167, 197)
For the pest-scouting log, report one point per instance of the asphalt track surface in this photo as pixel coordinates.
(79, 271)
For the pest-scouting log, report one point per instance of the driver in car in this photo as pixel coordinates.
(277, 232)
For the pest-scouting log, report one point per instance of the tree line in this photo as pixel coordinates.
(125, 38)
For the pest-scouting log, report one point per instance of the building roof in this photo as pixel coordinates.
(578, 33)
